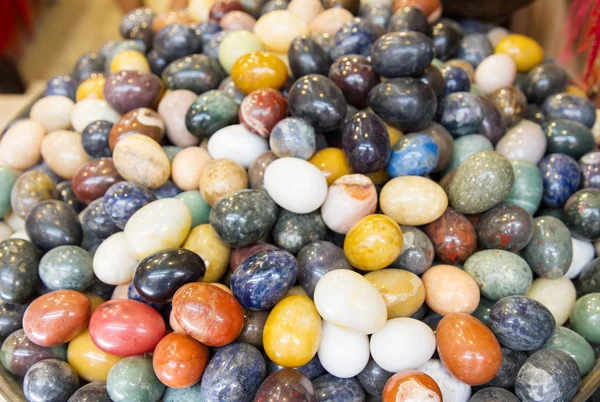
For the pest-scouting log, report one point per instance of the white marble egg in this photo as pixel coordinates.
(494, 72)
(343, 353)
(583, 252)
(347, 299)
(89, 110)
(525, 140)
(238, 144)
(295, 184)
(113, 261)
(53, 112)
(402, 344)
(453, 390)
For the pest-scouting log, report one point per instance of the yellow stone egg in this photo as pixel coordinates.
(380, 177)
(92, 87)
(413, 200)
(221, 286)
(94, 299)
(394, 133)
(577, 91)
(87, 360)
(373, 243)
(204, 241)
(332, 162)
(402, 291)
(130, 60)
(526, 52)
(292, 332)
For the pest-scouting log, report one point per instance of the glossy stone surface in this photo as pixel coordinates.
(204, 241)
(66, 267)
(492, 126)
(133, 379)
(258, 70)
(95, 391)
(527, 189)
(293, 137)
(209, 113)
(289, 340)
(468, 349)
(20, 145)
(355, 76)
(126, 327)
(123, 199)
(460, 113)
(172, 108)
(263, 279)
(224, 316)
(306, 56)
(66, 195)
(137, 121)
(343, 352)
(511, 102)
(456, 79)
(356, 36)
(444, 141)
(30, 189)
(158, 276)
(330, 388)
(139, 159)
(198, 207)
(493, 394)
(62, 85)
(569, 137)
(96, 224)
(220, 178)
(402, 54)
(544, 80)
(366, 143)
(548, 374)
(417, 251)
(405, 103)
(11, 318)
(294, 231)
(499, 273)
(413, 155)
(446, 35)
(234, 373)
(512, 360)
(450, 290)
(466, 146)
(569, 107)
(558, 295)
(466, 192)
(56, 317)
(315, 260)
(505, 227)
(94, 178)
(589, 167)
(550, 251)
(521, 323)
(347, 299)
(63, 153)
(575, 345)
(373, 243)
(349, 198)
(19, 353)
(90, 363)
(238, 144)
(261, 110)
(287, 385)
(453, 237)
(254, 325)
(179, 360)
(53, 223)
(582, 213)
(197, 73)
(243, 217)
(422, 201)
(128, 90)
(50, 380)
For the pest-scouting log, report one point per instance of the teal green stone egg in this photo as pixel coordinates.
(211, 112)
(499, 273)
(550, 251)
(7, 179)
(528, 187)
(466, 146)
(568, 137)
(189, 394)
(481, 182)
(133, 380)
(171, 151)
(482, 312)
(66, 267)
(198, 207)
(585, 317)
(575, 345)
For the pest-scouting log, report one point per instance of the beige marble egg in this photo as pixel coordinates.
(172, 108)
(236, 20)
(330, 21)
(53, 112)
(306, 9)
(221, 177)
(20, 145)
(142, 160)
(187, 166)
(278, 29)
(63, 153)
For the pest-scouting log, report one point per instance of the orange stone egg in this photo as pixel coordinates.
(411, 386)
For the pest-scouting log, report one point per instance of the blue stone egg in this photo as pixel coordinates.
(233, 374)
(456, 80)
(311, 370)
(123, 199)
(167, 190)
(333, 389)
(561, 176)
(356, 37)
(474, 48)
(63, 85)
(132, 294)
(260, 281)
(413, 155)
(569, 107)
(460, 113)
